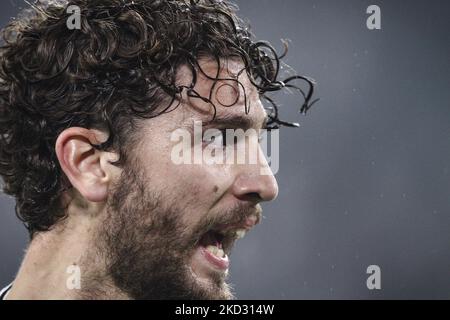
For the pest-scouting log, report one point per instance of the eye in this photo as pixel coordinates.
(217, 138)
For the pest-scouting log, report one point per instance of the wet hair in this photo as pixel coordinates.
(118, 67)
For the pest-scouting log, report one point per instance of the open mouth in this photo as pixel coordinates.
(211, 254)
(215, 246)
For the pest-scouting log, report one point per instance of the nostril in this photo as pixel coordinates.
(255, 188)
(252, 196)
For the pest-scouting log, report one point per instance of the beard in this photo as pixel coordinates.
(146, 248)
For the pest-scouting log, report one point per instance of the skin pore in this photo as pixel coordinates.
(135, 230)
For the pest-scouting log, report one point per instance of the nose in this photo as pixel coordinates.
(255, 187)
(251, 185)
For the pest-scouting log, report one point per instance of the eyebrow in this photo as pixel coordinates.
(237, 121)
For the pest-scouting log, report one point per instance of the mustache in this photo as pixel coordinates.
(236, 215)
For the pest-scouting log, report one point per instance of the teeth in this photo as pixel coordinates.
(240, 233)
(216, 251)
(220, 253)
(212, 249)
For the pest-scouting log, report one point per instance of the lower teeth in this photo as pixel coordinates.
(216, 251)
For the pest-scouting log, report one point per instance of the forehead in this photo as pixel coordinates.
(229, 90)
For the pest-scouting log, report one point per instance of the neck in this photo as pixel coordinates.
(60, 264)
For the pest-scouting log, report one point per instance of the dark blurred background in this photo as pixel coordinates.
(366, 179)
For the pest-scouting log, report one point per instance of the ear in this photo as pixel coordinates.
(89, 170)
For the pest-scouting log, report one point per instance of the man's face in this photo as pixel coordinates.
(170, 227)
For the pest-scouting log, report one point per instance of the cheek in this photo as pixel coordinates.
(199, 187)
(202, 183)
(193, 188)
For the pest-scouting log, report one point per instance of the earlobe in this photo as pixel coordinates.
(82, 163)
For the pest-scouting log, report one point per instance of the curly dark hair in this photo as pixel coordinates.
(120, 66)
